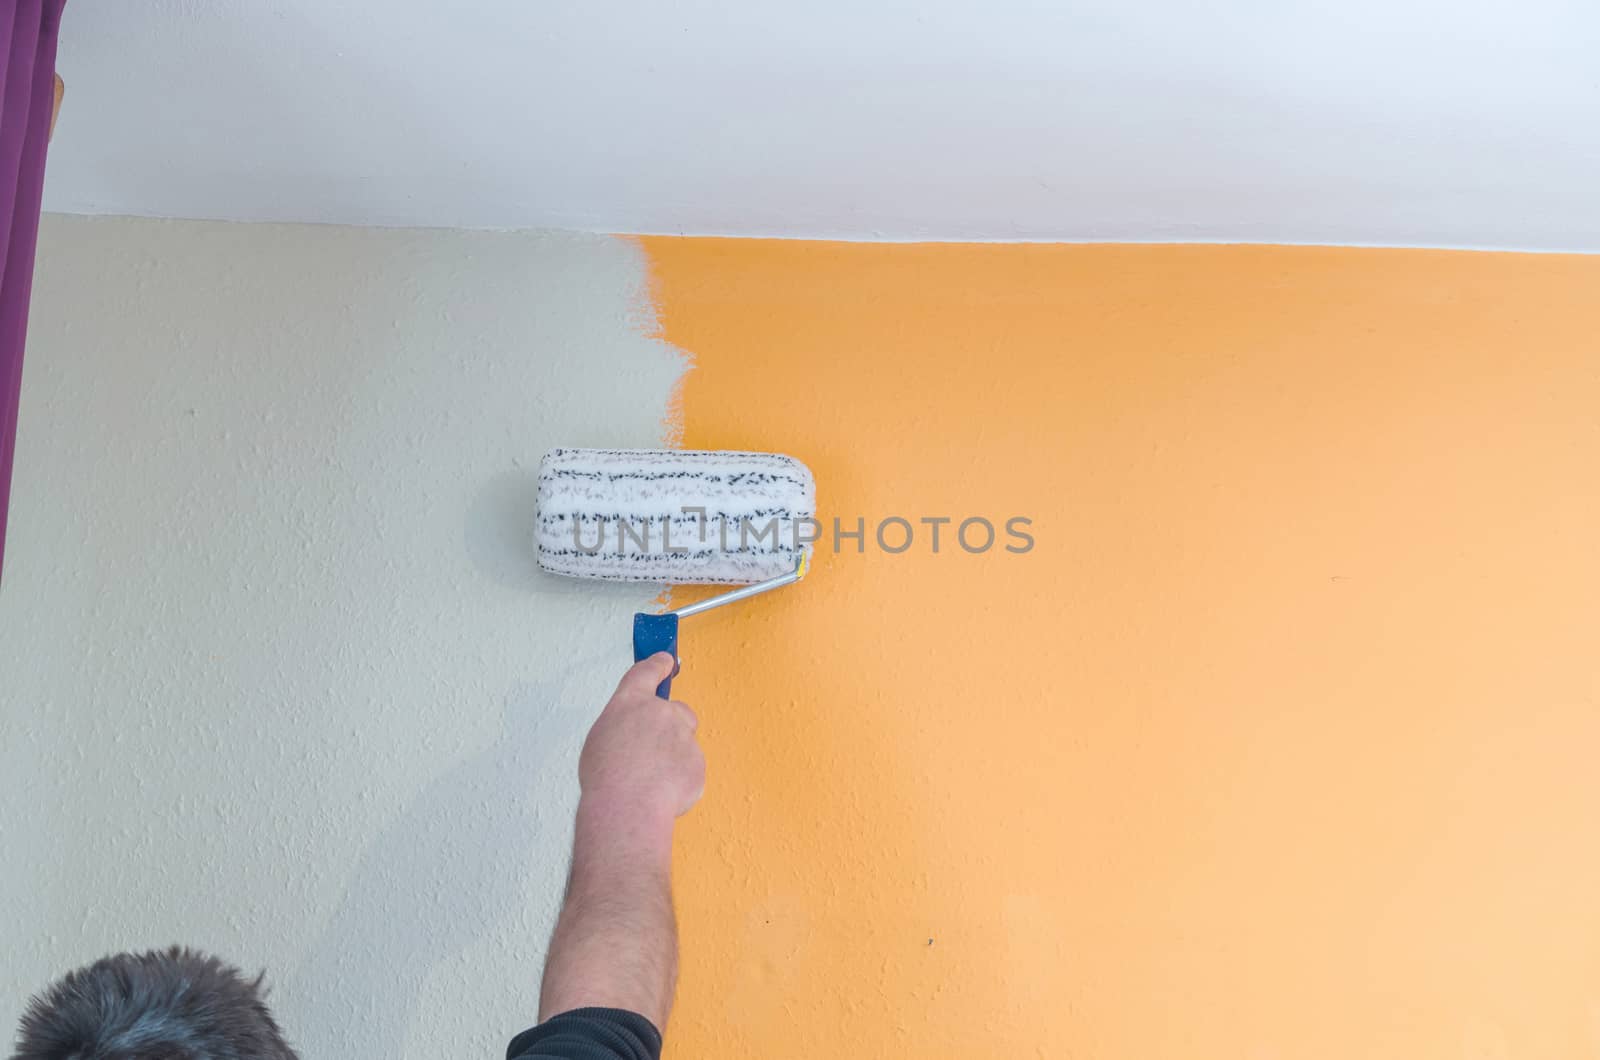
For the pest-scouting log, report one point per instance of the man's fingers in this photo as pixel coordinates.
(688, 715)
(643, 676)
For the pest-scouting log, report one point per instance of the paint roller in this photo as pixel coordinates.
(675, 515)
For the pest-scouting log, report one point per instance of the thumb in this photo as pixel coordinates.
(643, 676)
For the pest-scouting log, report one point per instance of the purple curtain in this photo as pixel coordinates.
(28, 49)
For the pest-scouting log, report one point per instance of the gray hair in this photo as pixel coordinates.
(171, 1004)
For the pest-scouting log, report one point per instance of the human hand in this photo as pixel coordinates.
(640, 757)
(616, 942)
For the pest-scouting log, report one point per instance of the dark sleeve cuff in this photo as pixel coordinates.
(589, 1034)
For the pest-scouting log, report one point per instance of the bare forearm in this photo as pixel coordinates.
(615, 943)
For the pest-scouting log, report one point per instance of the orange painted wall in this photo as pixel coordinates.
(1283, 740)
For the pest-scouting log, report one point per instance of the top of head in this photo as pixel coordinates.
(673, 515)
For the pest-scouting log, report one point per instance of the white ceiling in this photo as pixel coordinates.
(1415, 122)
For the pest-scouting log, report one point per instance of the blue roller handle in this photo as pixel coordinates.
(653, 633)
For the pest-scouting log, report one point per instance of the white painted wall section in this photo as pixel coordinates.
(280, 677)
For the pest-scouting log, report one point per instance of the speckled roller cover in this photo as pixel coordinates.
(673, 515)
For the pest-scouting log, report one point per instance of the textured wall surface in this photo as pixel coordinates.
(279, 679)
(1279, 744)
